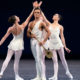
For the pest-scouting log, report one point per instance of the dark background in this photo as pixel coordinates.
(69, 10)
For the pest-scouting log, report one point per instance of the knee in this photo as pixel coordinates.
(55, 61)
(6, 62)
(16, 62)
(63, 59)
(38, 61)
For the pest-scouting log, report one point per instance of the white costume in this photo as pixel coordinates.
(36, 49)
(17, 42)
(54, 39)
(15, 47)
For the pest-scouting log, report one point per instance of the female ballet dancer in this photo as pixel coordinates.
(16, 45)
(55, 43)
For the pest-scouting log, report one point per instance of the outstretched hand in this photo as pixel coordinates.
(36, 4)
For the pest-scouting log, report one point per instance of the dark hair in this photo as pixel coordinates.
(12, 19)
(37, 9)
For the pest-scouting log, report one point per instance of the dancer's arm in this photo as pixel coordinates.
(29, 34)
(5, 36)
(24, 24)
(36, 4)
(63, 39)
(45, 19)
(47, 35)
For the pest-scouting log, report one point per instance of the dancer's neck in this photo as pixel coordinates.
(37, 19)
(16, 24)
(56, 22)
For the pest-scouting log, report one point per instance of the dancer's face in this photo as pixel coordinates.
(17, 19)
(37, 13)
(56, 17)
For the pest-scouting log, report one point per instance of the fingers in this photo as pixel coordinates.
(40, 3)
(68, 50)
(36, 4)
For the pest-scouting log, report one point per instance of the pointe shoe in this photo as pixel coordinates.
(1, 75)
(44, 78)
(69, 75)
(53, 78)
(18, 78)
(36, 78)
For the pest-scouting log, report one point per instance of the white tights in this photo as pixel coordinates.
(16, 61)
(63, 60)
(39, 58)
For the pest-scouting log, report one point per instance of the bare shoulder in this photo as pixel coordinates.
(31, 23)
(10, 29)
(61, 27)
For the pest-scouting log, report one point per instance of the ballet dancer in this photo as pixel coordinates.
(16, 45)
(57, 44)
(35, 30)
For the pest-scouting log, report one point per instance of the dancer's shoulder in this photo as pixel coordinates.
(10, 29)
(30, 23)
(61, 27)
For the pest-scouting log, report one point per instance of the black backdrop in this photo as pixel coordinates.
(69, 10)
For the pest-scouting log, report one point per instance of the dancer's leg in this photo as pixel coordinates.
(64, 62)
(55, 62)
(33, 48)
(16, 64)
(5, 63)
(39, 57)
(43, 65)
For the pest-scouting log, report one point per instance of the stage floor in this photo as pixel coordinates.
(27, 70)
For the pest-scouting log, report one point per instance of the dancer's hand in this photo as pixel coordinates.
(40, 3)
(67, 49)
(36, 4)
(41, 43)
(33, 36)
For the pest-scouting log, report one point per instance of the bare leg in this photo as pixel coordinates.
(5, 63)
(64, 62)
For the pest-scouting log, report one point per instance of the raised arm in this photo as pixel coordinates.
(24, 24)
(45, 19)
(5, 36)
(63, 39)
(36, 4)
